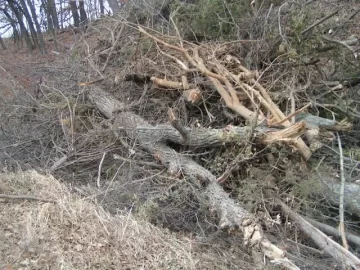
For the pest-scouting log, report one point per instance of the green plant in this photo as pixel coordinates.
(209, 19)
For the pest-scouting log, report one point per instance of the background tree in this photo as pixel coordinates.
(74, 13)
(114, 5)
(51, 10)
(102, 8)
(41, 43)
(24, 10)
(83, 16)
(13, 23)
(19, 16)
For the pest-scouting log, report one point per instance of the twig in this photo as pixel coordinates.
(99, 172)
(293, 114)
(341, 199)
(320, 21)
(113, 47)
(334, 232)
(24, 197)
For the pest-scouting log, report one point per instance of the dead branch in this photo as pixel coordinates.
(225, 88)
(293, 114)
(24, 197)
(167, 83)
(342, 43)
(231, 215)
(115, 42)
(320, 22)
(341, 196)
(334, 232)
(177, 125)
(340, 254)
(231, 99)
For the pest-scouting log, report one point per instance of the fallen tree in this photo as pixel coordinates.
(153, 139)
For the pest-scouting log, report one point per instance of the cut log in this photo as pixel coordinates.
(199, 137)
(232, 215)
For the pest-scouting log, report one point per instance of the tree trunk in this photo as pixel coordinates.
(26, 13)
(231, 214)
(2, 44)
(75, 13)
(61, 14)
(49, 21)
(24, 31)
(51, 8)
(114, 5)
(102, 9)
(83, 16)
(38, 28)
(12, 22)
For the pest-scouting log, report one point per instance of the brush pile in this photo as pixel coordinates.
(211, 136)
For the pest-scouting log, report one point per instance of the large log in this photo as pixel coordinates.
(199, 137)
(231, 214)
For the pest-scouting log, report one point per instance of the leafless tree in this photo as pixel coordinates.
(19, 16)
(74, 13)
(83, 16)
(114, 5)
(41, 43)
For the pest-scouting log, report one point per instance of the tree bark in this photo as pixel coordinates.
(74, 13)
(114, 5)
(231, 215)
(83, 16)
(37, 25)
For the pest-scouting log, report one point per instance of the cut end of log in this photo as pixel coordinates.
(192, 95)
(291, 133)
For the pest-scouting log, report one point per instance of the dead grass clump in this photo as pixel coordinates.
(73, 233)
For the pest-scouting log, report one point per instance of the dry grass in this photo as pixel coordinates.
(76, 234)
